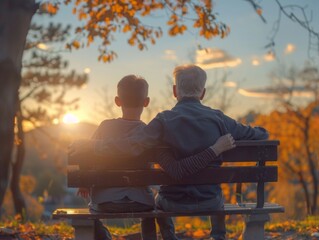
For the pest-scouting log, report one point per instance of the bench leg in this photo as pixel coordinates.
(254, 226)
(83, 229)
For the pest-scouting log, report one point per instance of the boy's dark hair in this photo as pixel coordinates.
(132, 90)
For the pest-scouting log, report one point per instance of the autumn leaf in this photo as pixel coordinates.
(199, 233)
(131, 41)
(82, 15)
(141, 46)
(105, 58)
(50, 8)
(68, 46)
(90, 39)
(76, 44)
(126, 28)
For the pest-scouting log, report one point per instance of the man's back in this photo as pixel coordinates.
(191, 127)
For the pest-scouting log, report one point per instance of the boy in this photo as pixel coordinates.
(132, 97)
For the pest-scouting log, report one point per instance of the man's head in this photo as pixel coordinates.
(132, 92)
(189, 82)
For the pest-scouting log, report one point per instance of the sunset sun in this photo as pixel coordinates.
(70, 118)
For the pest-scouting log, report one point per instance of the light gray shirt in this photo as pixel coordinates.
(117, 129)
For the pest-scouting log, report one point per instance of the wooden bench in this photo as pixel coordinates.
(244, 164)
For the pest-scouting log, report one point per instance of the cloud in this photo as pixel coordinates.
(255, 61)
(270, 92)
(215, 58)
(230, 84)
(257, 93)
(170, 55)
(290, 48)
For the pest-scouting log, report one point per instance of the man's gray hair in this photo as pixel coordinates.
(190, 81)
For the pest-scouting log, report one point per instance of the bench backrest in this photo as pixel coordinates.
(246, 164)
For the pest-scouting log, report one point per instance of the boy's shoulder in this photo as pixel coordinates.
(121, 122)
(109, 121)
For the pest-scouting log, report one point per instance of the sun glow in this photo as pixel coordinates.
(70, 118)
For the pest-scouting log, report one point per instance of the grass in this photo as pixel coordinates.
(187, 228)
(304, 229)
(14, 227)
(197, 228)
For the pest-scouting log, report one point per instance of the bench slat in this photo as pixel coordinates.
(230, 209)
(211, 175)
(251, 153)
(246, 151)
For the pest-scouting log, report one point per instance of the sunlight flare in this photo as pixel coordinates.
(70, 118)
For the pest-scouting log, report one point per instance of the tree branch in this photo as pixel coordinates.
(304, 22)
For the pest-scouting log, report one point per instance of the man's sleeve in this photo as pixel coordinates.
(181, 168)
(141, 139)
(243, 132)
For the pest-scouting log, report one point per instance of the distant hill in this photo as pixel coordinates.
(46, 154)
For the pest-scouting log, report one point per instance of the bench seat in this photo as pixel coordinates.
(252, 162)
(230, 209)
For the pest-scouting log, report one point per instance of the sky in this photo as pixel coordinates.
(241, 55)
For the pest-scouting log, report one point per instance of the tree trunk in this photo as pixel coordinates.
(311, 166)
(8, 95)
(302, 182)
(15, 18)
(18, 200)
(304, 186)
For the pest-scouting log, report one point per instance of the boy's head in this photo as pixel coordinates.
(189, 82)
(132, 92)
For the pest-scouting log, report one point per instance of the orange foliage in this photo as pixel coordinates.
(50, 8)
(298, 132)
(291, 130)
(102, 18)
(194, 227)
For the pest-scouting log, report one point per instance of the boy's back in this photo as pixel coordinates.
(119, 128)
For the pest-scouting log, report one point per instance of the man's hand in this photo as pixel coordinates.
(223, 144)
(80, 146)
